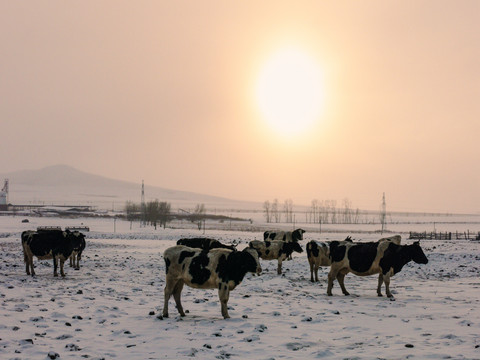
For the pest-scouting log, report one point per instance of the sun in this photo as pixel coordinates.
(290, 91)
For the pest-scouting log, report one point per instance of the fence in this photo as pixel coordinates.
(466, 235)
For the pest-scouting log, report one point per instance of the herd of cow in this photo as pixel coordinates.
(54, 244)
(208, 264)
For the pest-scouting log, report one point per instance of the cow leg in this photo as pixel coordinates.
(26, 261)
(27, 264)
(386, 279)
(79, 256)
(55, 265)
(332, 275)
(311, 272)
(316, 272)
(61, 267)
(177, 292)
(279, 267)
(71, 260)
(380, 282)
(223, 294)
(340, 279)
(169, 287)
(30, 261)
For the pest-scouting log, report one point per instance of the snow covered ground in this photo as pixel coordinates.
(108, 309)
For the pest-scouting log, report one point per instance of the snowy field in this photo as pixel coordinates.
(109, 308)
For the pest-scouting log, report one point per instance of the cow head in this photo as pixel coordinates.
(417, 253)
(297, 234)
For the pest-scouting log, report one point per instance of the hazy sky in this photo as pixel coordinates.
(165, 91)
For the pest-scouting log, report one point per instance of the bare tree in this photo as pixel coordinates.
(164, 213)
(266, 209)
(275, 211)
(315, 211)
(347, 211)
(199, 214)
(288, 209)
(133, 212)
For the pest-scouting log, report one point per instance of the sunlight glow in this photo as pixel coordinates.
(290, 91)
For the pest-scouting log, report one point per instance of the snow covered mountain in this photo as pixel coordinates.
(65, 185)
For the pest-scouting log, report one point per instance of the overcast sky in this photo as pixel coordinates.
(165, 91)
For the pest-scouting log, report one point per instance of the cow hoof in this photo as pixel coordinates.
(379, 295)
(55, 275)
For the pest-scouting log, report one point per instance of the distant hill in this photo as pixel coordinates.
(65, 185)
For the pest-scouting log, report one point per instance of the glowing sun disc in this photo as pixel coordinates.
(290, 92)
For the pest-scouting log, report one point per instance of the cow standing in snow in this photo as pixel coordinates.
(382, 257)
(287, 236)
(220, 269)
(318, 254)
(48, 244)
(78, 247)
(275, 250)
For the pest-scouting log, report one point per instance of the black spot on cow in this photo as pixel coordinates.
(235, 266)
(271, 236)
(267, 252)
(167, 265)
(198, 268)
(297, 234)
(312, 249)
(289, 248)
(284, 237)
(184, 254)
(361, 256)
(337, 251)
(268, 243)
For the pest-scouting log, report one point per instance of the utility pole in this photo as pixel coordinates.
(143, 206)
(383, 214)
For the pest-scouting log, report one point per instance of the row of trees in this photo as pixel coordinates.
(274, 211)
(152, 213)
(159, 213)
(324, 211)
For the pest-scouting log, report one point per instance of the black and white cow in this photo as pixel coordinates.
(318, 254)
(221, 269)
(78, 247)
(204, 243)
(45, 245)
(287, 236)
(382, 257)
(275, 250)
